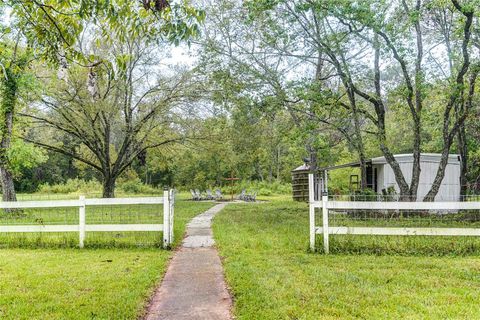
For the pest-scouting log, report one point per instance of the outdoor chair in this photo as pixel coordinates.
(251, 197)
(242, 195)
(218, 194)
(199, 194)
(194, 195)
(209, 195)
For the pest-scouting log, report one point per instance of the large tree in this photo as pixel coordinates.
(51, 30)
(115, 110)
(247, 56)
(386, 52)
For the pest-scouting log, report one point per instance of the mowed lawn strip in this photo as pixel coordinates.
(77, 284)
(85, 283)
(272, 275)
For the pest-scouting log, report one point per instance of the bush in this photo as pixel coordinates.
(262, 188)
(136, 186)
(133, 186)
(264, 192)
(72, 186)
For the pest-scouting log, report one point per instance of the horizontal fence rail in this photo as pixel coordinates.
(82, 227)
(326, 205)
(374, 205)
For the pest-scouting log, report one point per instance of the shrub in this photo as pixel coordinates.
(136, 186)
(72, 186)
(264, 192)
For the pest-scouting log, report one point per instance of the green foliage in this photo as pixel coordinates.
(264, 188)
(136, 186)
(79, 186)
(71, 186)
(24, 156)
(52, 27)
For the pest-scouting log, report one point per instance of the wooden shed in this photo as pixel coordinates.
(300, 183)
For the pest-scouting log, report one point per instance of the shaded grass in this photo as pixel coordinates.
(273, 276)
(39, 282)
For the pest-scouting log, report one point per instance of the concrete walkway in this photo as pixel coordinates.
(194, 286)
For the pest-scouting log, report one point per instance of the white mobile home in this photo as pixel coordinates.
(380, 175)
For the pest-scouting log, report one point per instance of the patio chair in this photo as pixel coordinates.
(251, 196)
(209, 195)
(218, 194)
(194, 195)
(242, 195)
(199, 195)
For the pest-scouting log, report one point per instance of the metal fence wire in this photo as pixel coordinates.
(356, 216)
(405, 218)
(115, 214)
(402, 217)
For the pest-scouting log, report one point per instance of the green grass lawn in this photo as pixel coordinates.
(45, 277)
(272, 275)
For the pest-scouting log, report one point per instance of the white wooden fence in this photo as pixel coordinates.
(82, 227)
(325, 205)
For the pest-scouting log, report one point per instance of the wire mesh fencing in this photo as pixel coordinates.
(438, 228)
(433, 218)
(375, 222)
(55, 221)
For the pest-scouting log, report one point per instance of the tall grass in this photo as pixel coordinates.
(79, 186)
(262, 188)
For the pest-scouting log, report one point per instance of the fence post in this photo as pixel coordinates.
(81, 221)
(311, 199)
(172, 204)
(166, 218)
(325, 223)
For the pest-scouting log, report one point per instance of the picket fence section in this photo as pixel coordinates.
(82, 227)
(325, 205)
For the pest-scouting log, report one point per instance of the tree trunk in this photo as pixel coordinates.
(397, 171)
(279, 152)
(363, 170)
(109, 187)
(8, 189)
(390, 158)
(359, 144)
(416, 170)
(270, 172)
(9, 97)
(313, 158)
(463, 152)
(430, 196)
